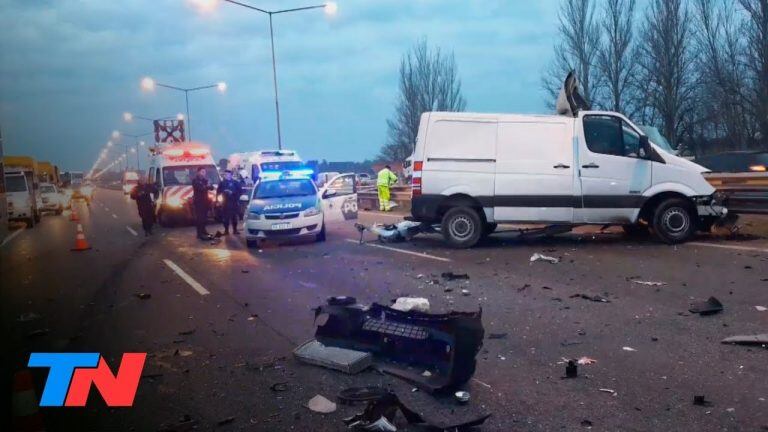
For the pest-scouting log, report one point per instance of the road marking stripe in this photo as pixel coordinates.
(741, 248)
(418, 254)
(131, 230)
(11, 236)
(187, 278)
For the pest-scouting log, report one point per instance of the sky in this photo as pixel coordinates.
(70, 68)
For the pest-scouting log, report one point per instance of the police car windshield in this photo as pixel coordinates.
(284, 188)
(183, 175)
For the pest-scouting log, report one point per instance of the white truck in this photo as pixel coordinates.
(472, 171)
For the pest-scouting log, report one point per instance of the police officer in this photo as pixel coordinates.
(200, 188)
(385, 179)
(231, 190)
(143, 193)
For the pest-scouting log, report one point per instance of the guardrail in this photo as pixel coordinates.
(747, 192)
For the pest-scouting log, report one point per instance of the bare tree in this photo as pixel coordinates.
(667, 64)
(577, 50)
(757, 63)
(722, 103)
(616, 64)
(429, 81)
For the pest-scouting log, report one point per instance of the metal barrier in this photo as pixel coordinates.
(747, 192)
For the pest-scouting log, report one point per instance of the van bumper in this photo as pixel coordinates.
(711, 206)
(424, 208)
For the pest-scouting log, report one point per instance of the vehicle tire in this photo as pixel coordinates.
(252, 243)
(488, 229)
(674, 221)
(635, 230)
(30, 222)
(321, 237)
(461, 227)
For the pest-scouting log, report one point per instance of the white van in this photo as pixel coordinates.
(21, 201)
(472, 171)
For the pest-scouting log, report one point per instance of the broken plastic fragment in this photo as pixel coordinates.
(319, 404)
(407, 304)
(709, 307)
(626, 348)
(649, 283)
(540, 257)
(586, 361)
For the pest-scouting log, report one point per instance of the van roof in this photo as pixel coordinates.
(493, 116)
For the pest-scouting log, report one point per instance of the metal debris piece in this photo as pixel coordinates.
(626, 348)
(648, 283)
(341, 359)
(462, 396)
(761, 308)
(757, 339)
(451, 276)
(594, 298)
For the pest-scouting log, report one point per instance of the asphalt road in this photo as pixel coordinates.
(215, 348)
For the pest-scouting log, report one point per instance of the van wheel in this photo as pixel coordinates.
(673, 221)
(461, 227)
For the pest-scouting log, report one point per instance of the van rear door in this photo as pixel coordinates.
(534, 170)
(613, 176)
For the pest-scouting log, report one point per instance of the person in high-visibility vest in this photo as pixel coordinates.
(386, 178)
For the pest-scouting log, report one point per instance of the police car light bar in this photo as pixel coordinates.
(305, 172)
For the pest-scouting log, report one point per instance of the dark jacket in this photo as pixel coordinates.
(231, 191)
(143, 194)
(200, 188)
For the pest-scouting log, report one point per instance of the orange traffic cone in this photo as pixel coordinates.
(26, 413)
(81, 244)
(73, 215)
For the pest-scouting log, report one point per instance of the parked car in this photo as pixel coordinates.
(53, 200)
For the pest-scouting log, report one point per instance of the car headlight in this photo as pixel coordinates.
(174, 202)
(253, 216)
(220, 199)
(314, 211)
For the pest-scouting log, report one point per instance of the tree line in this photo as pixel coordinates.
(696, 69)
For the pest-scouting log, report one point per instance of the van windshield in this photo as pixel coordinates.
(15, 184)
(183, 175)
(657, 138)
(284, 188)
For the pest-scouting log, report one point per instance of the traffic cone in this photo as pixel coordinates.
(81, 244)
(26, 413)
(73, 215)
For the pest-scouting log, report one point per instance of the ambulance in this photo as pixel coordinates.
(172, 169)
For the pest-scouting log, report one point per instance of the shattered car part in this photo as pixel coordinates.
(709, 307)
(320, 404)
(352, 395)
(451, 276)
(395, 233)
(344, 360)
(387, 407)
(404, 344)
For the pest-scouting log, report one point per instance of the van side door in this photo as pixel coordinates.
(613, 176)
(534, 171)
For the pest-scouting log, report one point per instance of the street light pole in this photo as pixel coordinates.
(330, 9)
(136, 144)
(149, 84)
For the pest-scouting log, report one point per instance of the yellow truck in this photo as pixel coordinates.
(22, 189)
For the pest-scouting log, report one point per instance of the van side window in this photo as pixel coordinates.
(611, 135)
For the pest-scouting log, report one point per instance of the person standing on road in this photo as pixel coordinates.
(200, 188)
(386, 178)
(143, 193)
(231, 190)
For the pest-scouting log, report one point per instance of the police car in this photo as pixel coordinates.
(291, 206)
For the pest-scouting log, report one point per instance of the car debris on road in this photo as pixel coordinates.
(709, 307)
(541, 257)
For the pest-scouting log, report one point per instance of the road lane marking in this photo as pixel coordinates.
(418, 254)
(187, 278)
(11, 236)
(741, 248)
(130, 230)
(114, 215)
